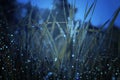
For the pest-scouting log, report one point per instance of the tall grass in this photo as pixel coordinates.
(73, 45)
(70, 52)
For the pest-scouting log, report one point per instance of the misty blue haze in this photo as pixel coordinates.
(103, 11)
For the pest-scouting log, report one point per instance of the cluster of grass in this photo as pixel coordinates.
(66, 55)
(71, 48)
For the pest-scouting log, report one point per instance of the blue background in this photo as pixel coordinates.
(103, 11)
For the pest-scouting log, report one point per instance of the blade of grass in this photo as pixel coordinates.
(115, 15)
(87, 12)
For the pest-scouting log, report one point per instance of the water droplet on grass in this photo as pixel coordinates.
(73, 55)
(55, 59)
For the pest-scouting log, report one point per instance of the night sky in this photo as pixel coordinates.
(103, 11)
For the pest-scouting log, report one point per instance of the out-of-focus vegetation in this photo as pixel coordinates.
(58, 47)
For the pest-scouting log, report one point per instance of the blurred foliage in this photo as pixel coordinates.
(50, 44)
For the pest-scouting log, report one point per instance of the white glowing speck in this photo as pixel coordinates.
(6, 46)
(77, 73)
(73, 55)
(28, 61)
(107, 64)
(55, 59)
(2, 68)
(72, 66)
(68, 18)
(0, 48)
(64, 35)
(11, 35)
(50, 73)
(116, 73)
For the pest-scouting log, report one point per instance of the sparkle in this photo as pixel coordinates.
(11, 41)
(22, 71)
(21, 54)
(11, 35)
(116, 73)
(73, 55)
(0, 48)
(2, 68)
(64, 35)
(6, 46)
(72, 66)
(8, 56)
(108, 65)
(28, 60)
(101, 73)
(50, 73)
(55, 59)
